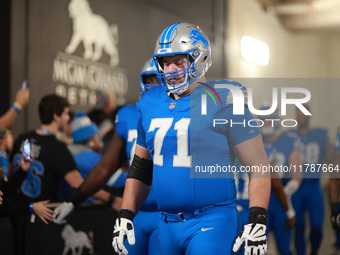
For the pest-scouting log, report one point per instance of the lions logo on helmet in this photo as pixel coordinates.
(197, 37)
(183, 38)
(148, 70)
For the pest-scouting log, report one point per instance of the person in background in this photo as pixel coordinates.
(242, 201)
(6, 120)
(16, 208)
(334, 194)
(6, 146)
(65, 135)
(101, 113)
(21, 100)
(315, 149)
(86, 151)
(285, 153)
(13, 204)
(146, 222)
(53, 162)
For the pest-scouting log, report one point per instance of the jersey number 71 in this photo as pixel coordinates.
(182, 158)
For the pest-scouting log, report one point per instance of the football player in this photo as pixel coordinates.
(315, 149)
(285, 145)
(199, 214)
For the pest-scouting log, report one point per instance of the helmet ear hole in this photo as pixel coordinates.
(191, 60)
(160, 62)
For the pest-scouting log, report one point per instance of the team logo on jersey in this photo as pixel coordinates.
(172, 105)
(198, 37)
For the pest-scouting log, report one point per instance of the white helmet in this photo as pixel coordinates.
(183, 38)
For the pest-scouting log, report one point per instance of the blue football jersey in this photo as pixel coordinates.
(184, 143)
(313, 145)
(313, 149)
(282, 148)
(126, 128)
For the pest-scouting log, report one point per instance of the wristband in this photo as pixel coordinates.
(257, 215)
(75, 196)
(31, 208)
(290, 213)
(16, 109)
(126, 213)
(17, 105)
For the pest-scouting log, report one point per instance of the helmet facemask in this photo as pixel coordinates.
(169, 79)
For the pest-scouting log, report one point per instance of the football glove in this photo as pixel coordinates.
(335, 217)
(62, 211)
(254, 233)
(123, 229)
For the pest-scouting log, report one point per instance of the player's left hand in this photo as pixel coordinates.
(255, 239)
(254, 233)
(123, 229)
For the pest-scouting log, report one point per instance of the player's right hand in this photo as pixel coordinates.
(123, 229)
(62, 211)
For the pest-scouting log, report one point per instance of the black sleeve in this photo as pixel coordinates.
(13, 203)
(141, 169)
(10, 187)
(64, 161)
(12, 207)
(17, 179)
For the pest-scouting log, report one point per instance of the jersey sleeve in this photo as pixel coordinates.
(237, 128)
(141, 139)
(121, 125)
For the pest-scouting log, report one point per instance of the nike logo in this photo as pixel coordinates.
(205, 229)
(260, 228)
